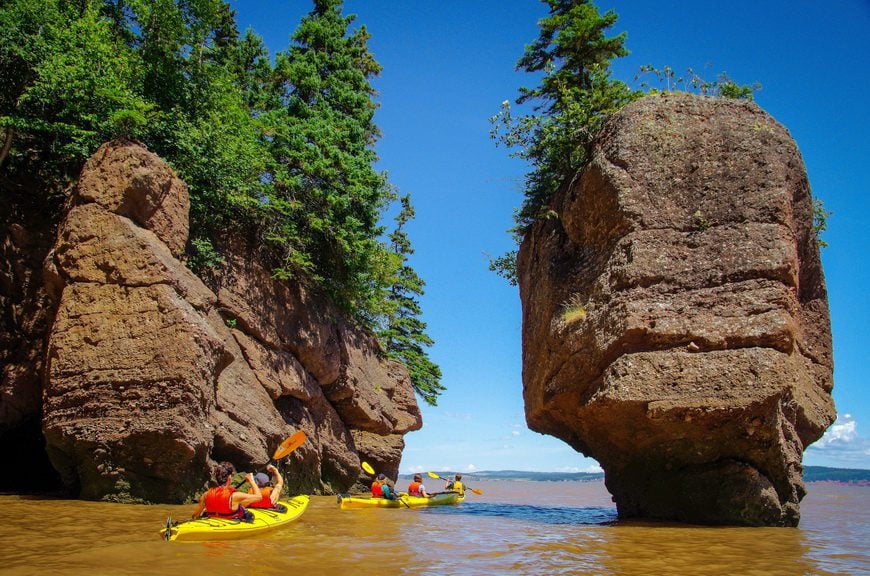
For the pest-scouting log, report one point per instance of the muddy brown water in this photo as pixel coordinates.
(514, 528)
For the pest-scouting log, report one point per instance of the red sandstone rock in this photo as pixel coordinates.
(146, 384)
(697, 365)
(128, 180)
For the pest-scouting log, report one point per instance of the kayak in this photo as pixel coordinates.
(224, 529)
(348, 502)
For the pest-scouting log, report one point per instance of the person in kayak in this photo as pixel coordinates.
(270, 488)
(416, 488)
(383, 488)
(224, 501)
(456, 485)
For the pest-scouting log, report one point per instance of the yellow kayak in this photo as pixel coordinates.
(223, 529)
(347, 502)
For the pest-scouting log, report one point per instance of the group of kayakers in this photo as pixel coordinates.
(382, 487)
(226, 501)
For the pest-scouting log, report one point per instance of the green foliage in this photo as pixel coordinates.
(572, 57)
(572, 54)
(723, 86)
(66, 79)
(327, 198)
(506, 267)
(203, 256)
(403, 334)
(700, 222)
(820, 221)
(282, 153)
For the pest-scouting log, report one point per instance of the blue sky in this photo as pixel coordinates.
(448, 64)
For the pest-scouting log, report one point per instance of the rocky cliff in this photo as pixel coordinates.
(149, 376)
(675, 318)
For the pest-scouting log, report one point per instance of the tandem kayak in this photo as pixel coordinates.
(347, 502)
(223, 529)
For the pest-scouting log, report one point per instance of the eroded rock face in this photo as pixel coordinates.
(675, 318)
(26, 235)
(152, 377)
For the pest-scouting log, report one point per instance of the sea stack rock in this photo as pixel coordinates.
(675, 318)
(151, 376)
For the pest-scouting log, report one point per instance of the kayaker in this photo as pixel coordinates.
(224, 501)
(456, 485)
(270, 488)
(382, 488)
(416, 488)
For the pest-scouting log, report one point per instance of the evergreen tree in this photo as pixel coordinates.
(574, 98)
(327, 193)
(404, 336)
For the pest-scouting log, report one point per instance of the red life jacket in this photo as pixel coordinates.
(377, 490)
(414, 489)
(265, 501)
(218, 503)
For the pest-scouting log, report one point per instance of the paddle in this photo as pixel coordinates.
(167, 535)
(290, 444)
(371, 472)
(476, 491)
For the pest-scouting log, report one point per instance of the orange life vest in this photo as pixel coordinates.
(218, 503)
(414, 489)
(265, 501)
(377, 489)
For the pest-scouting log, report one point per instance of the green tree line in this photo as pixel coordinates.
(280, 149)
(571, 57)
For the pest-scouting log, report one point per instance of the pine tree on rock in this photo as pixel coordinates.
(328, 193)
(575, 96)
(404, 336)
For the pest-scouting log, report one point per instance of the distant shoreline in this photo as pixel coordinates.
(850, 476)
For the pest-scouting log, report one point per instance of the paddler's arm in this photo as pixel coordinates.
(277, 484)
(242, 499)
(200, 507)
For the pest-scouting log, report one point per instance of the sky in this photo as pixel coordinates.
(448, 65)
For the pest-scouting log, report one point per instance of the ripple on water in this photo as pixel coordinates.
(593, 515)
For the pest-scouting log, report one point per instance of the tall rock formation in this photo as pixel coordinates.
(150, 376)
(675, 318)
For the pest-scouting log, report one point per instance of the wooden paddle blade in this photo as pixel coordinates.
(368, 469)
(290, 444)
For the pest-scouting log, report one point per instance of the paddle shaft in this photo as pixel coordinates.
(475, 490)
